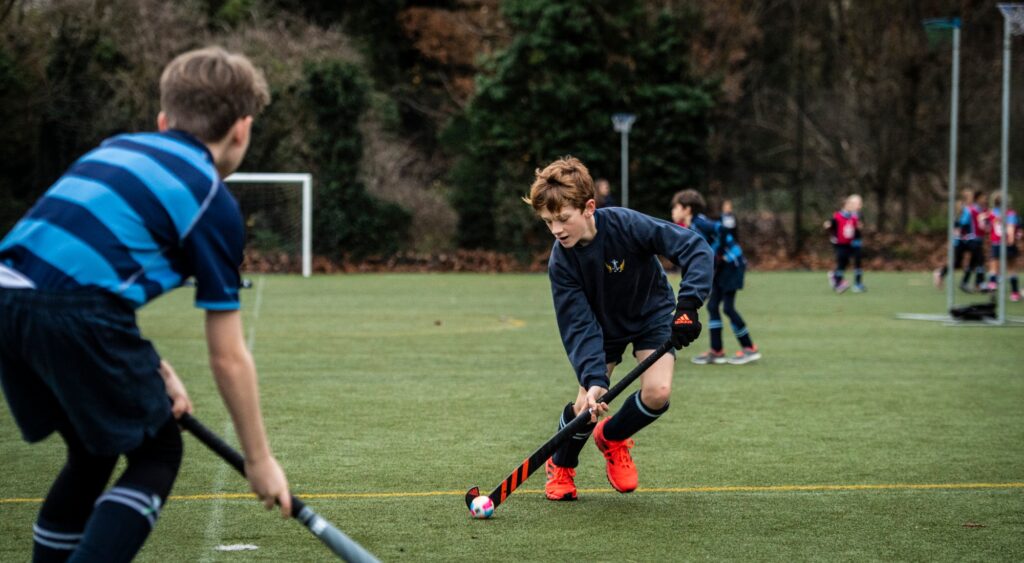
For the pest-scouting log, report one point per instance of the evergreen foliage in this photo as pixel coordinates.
(552, 91)
(348, 221)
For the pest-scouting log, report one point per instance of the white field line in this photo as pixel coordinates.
(211, 537)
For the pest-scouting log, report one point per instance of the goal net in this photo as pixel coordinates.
(277, 210)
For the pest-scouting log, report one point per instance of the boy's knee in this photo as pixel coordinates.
(656, 397)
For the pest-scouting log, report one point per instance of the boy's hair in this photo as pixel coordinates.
(979, 194)
(691, 199)
(565, 181)
(205, 91)
(997, 198)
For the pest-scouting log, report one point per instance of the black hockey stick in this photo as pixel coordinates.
(343, 546)
(537, 458)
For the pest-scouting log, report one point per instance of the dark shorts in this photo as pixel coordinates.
(845, 253)
(729, 277)
(79, 356)
(650, 339)
(1011, 252)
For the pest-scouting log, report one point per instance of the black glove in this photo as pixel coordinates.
(685, 326)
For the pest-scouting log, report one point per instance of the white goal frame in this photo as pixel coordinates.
(306, 180)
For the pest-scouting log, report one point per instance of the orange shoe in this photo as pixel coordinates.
(560, 484)
(619, 464)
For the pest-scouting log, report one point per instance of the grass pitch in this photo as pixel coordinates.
(857, 437)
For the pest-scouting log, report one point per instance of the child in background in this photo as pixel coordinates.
(604, 197)
(845, 235)
(730, 266)
(962, 234)
(974, 239)
(1002, 220)
(728, 220)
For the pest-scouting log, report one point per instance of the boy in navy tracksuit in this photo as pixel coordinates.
(730, 267)
(126, 223)
(609, 291)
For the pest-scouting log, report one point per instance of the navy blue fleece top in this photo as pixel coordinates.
(614, 288)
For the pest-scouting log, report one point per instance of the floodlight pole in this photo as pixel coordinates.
(953, 119)
(623, 122)
(1004, 166)
(954, 105)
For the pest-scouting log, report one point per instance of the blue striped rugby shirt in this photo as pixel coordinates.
(135, 217)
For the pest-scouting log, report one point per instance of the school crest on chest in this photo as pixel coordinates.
(615, 266)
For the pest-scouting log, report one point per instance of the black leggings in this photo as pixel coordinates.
(153, 466)
(844, 253)
(727, 300)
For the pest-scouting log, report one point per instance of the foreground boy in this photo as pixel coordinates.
(127, 222)
(609, 291)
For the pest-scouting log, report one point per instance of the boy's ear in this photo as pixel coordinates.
(161, 122)
(590, 206)
(241, 131)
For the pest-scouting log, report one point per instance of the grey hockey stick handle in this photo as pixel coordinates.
(343, 546)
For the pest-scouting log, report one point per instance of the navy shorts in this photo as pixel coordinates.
(729, 277)
(654, 336)
(79, 356)
(1011, 252)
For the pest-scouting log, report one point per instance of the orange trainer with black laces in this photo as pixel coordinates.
(560, 484)
(619, 466)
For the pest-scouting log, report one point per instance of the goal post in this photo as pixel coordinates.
(305, 184)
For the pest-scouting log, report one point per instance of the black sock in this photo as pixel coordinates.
(569, 454)
(62, 518)
(715, 327)
(53, 543)
(1014, 284)
(858, 276)
(743, 335)
(119, 525)
(125, 515)
(631, 418)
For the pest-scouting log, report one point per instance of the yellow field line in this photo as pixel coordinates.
(720, 489)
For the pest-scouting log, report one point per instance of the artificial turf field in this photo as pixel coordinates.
(857, 437)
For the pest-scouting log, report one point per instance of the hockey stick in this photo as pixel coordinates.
(343, 546)
(537, 458)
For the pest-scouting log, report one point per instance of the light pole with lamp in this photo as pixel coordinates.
(623, 122)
